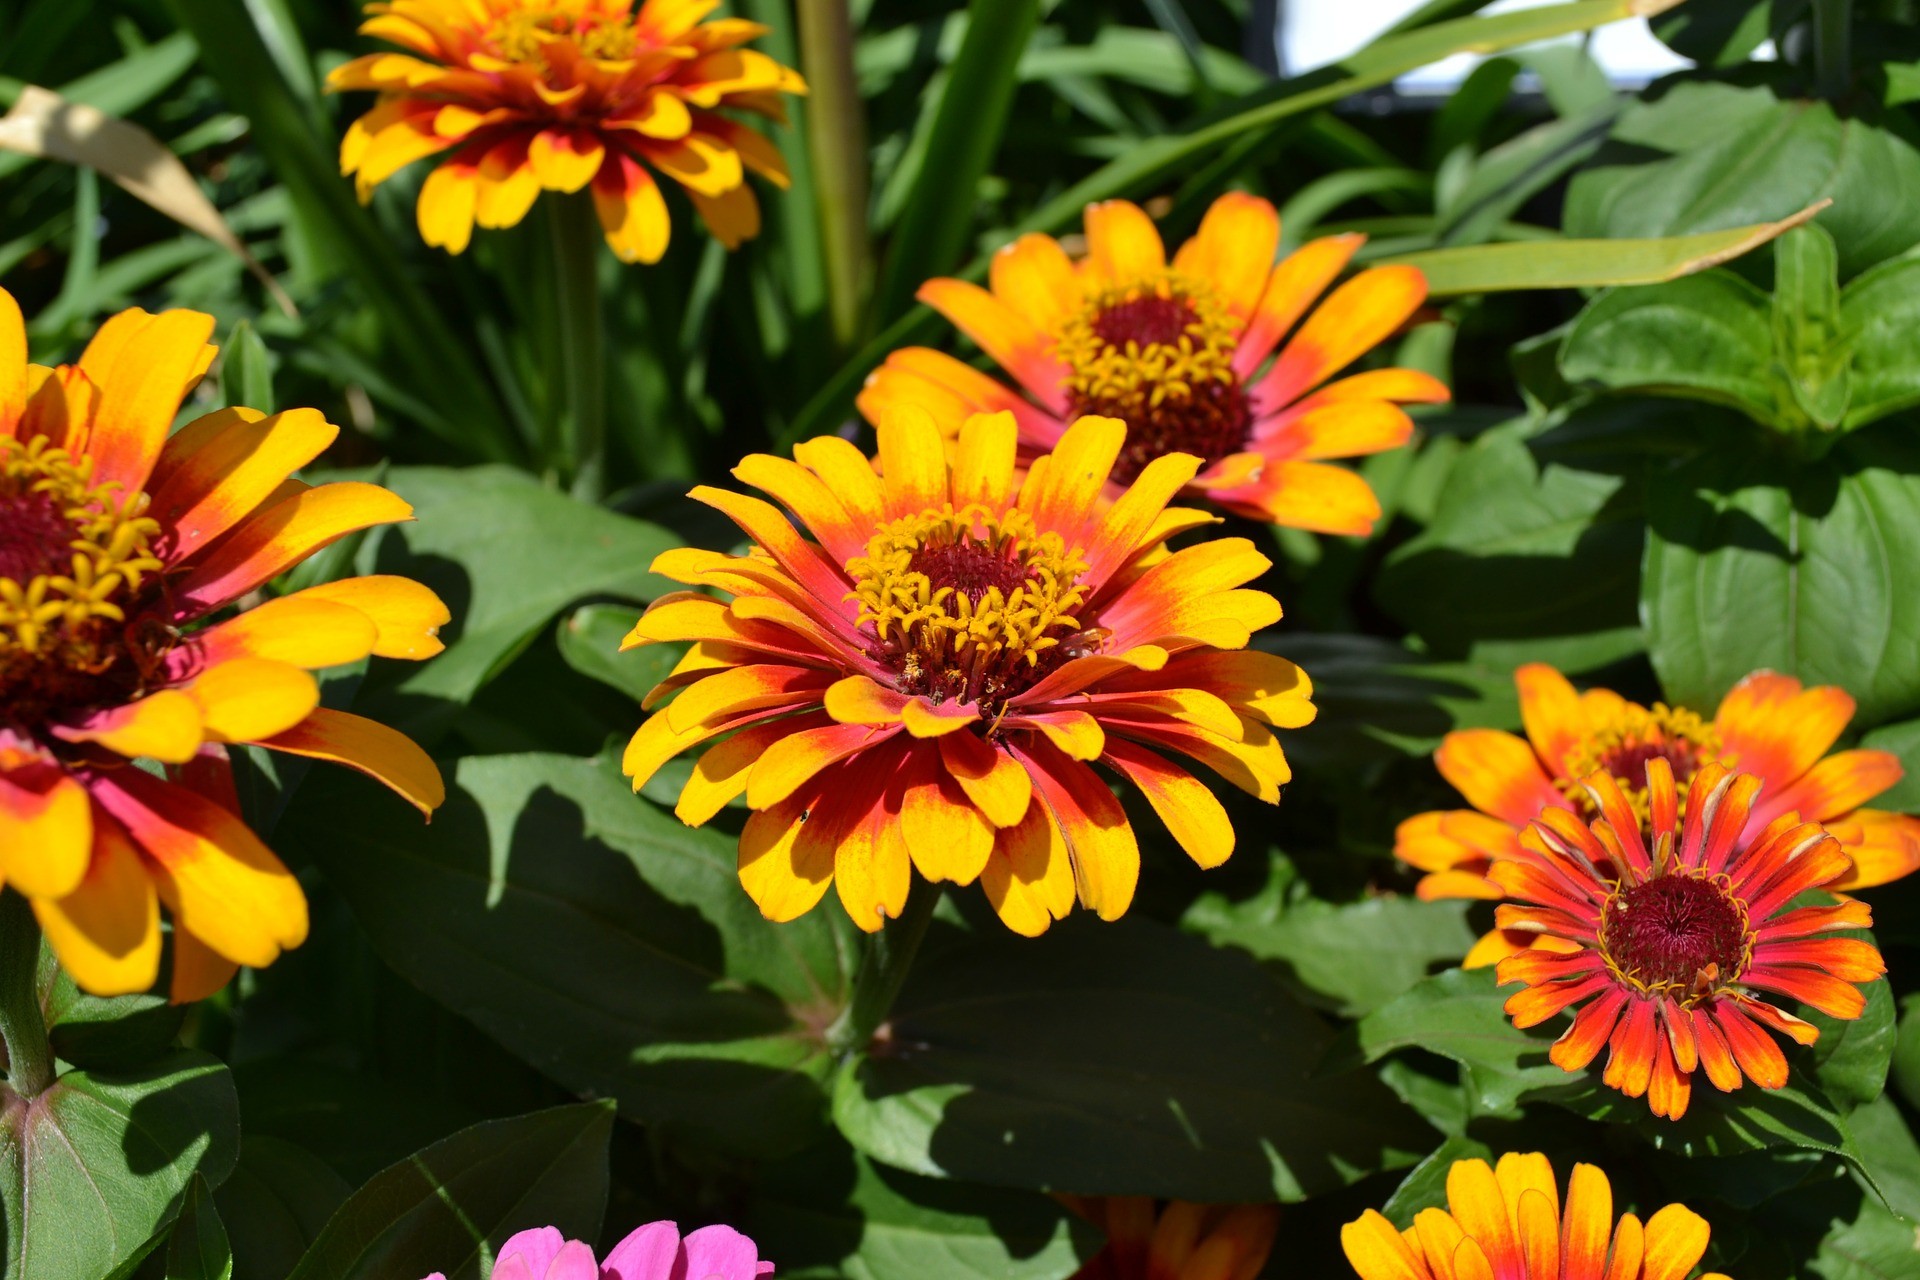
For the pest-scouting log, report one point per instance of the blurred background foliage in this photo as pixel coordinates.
(1657, 488)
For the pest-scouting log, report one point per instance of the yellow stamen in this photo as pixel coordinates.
(523, 36)
(1623, 745)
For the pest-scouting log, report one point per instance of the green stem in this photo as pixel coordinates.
(883, 970)
(580, 373)
(22, 1029)
(1832, 47)
(837, 138)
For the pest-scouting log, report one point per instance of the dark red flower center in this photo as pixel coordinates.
(1629, 759)
(1145, 320)
(969, 568)
(35, 537)
(1683, 933)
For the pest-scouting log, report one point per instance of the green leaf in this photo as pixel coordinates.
(92, 1168)
(276, 1202)
(1458, 1015)
(1708, 337)
(1806, 568)
(507, 555)
(198, 1248)
(448, 1207)
(1890, 1155)
(1873, 1245)
(1905, 1071)
(1715, 33)
(1851, 1058)
(590, 642)
(1903, 740)
(961, 138)
(1808, 337)
(1357, 956)
(1706, 155)
(1115, 1059)
(1523, 553)
(1584, 263)
(833, 1211)
(103, 1033)
(597, 938)
(1426, 1186)
(1880, 317)
(246, 373)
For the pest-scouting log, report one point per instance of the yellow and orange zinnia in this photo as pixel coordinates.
(928, 684)
(563, 95)
(1179, 1241)
(1507, 1223)
(1767, 726)
(118, 547)
(1671, 944)
(1179, 352)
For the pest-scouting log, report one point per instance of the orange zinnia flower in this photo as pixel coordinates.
(561, 95)
(1183, 1241)
(1507, 1223)
(928, 683)
(1179, 353)
(117, 543)
(1767, 726)
(1670, 937)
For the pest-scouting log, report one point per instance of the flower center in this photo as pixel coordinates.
(522, 36)
(1683, 935)
(1636, 736)
(71, 554)
(1158, 354)
(969, 606)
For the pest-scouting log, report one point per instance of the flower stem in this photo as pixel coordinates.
(837, 139)
(1832, 47)
(889, 956)
(580, 373)
(22, 1029)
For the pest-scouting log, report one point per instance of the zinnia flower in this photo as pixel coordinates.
(929, 682)
(118, 547)
(653, 1252)
(1674, 939)
(560, 95)
(1182, 1241)
(1179, 353)
(1507, 1223)
(1767, 726)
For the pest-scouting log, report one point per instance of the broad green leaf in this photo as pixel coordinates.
(1905, 1075)
(1525, 557)
(1809, 341)
(448, 1207)
(275, 1204)
(198, 1248)
(1707, 337)
(590, 642)
(1851, 1058)
(1586, 264)
(507, 554)
(1903, 740)
(1706, 156)
(594, 936)
(1115, 1059)
(246, 372)
(1880, 316)
(1356, 956)
(102, 1033)
(1806, 568)
(1891, 1156)
(833, 1211)
(1873, 1245)
(91, 1169)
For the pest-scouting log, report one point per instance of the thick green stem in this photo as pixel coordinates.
(22, 1029)
(1832, 47)
(580, 372)
(883, 970)
(837, 138)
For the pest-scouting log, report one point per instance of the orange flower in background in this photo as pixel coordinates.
(523, 96)
(1672, 937)
(1507, 1223)
(1179, 352)
(1182, 1241)
(1767, 726)
(118, 546)
(928, 684)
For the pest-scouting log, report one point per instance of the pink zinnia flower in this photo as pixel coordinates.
(652, 1252)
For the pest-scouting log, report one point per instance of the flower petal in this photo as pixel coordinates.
(383, 754)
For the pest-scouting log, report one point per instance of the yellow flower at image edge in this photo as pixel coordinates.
(118, 546)
(566, 95)
(1507, 1222)
(1179, 351)
(928, 684)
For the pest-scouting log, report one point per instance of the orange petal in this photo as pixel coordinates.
(1676, 1240)
(445, 209)
(784, 877)
(913, 462)
(1122, 242)
(106, 932)
(1011, 340)
(565, 159)
(248, 699)
(406, 616)
(1587, 1224)
(1034, 278)
(1062, 487)
(1189, 808)
(13, 364)
(198, 970)
(1355, 317)
(1554, 715)
(506, 186)
(998, 784)
(46, 830)
(947, 837)
(144, 366)
(1378, 1252)
(1836, 785)
(281, 536)
(1347, 429)
(217, 469)
(632, 211)
(1883, 847)
(1498, 774)
(1233, 250)
(1473, 1195)
(1302, 495)
(795, 759)
(1770, 727)
(163, 726)
(305, 631)
(385, 755)
(1106, 857)
(1029, 879)
(984, 459)
(1291, 289)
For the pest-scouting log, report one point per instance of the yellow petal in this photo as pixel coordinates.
(247, 699)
